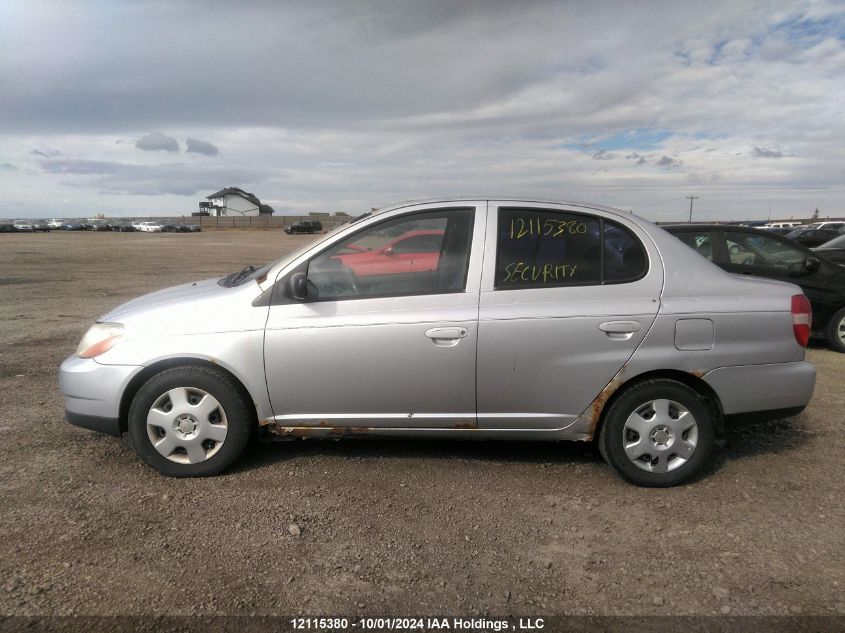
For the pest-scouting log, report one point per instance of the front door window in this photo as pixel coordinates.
(424, 253)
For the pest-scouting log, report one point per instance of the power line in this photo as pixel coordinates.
(691, 198)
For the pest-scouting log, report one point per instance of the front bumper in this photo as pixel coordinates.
(92, 392)
(109, 426)
(758, 388)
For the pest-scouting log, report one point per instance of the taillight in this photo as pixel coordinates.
(802, 318)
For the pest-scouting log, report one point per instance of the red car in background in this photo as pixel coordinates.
(412, 252)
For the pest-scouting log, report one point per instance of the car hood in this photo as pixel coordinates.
(177, 294)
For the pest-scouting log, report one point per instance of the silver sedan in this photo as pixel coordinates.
(482, 319)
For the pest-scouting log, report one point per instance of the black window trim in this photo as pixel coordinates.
(601, 282)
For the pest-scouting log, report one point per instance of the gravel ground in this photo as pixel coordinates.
(378, 527)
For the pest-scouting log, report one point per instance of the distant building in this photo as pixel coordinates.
(234, 201)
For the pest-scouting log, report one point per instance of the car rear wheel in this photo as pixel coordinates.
(658, 433)
(836, 331)
(190, 422)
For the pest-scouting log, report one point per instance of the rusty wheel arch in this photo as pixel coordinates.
(148, 372)
(692, 379)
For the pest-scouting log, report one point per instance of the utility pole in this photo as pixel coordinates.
(691, 198)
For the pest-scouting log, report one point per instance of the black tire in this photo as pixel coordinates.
(636, 399)
(834, 327)
(235, 407)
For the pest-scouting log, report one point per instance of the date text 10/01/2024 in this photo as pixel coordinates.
(416, 623)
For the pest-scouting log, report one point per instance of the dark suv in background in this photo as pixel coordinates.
(305, 226)
(749, 251)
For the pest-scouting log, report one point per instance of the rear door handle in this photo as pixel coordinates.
(620, 327)
(446, 336)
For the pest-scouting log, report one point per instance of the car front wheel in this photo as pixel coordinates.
(190, 422)
(836, 331)
(658, 433)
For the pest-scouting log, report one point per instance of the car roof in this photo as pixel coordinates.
(457, 200)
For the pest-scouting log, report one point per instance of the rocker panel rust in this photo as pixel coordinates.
(271, 429)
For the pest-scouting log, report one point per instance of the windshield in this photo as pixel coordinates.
(836, 242)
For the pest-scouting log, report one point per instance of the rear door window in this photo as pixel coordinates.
(543, 248)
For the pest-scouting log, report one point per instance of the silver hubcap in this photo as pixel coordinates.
(187, 425)
(841, 330)
(660, 436)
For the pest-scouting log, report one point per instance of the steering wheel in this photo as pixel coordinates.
(341, 282)
(795, 268)
(353, 281)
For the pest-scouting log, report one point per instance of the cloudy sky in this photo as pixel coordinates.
(146, 107)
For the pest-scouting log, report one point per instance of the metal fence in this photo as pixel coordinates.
(264, 222)
(240, 222)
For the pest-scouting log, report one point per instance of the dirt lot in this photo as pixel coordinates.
(387, 527)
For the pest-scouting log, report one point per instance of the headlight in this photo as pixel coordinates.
(99, 339)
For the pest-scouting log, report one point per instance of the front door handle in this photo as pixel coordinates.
(620, 329)
(446, 336)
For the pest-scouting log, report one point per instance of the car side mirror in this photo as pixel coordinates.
(812, 264)
(388, 250)
(296, 286)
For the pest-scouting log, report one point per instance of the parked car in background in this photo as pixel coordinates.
(137, 225)
(414, 251)
(755, 252)
(779, 230)
(541, 320)
(150, 227)
(7, 227)
(24, 226)
(780, 225)
(834, 250)
(100, 225)
(188, 228)
(122, 227)
(305, 226)
(72, 226)
(829, 224)
(40, 226)
(56, 223)
(168, 227)
(810, 237)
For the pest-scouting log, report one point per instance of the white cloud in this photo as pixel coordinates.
(346, 108)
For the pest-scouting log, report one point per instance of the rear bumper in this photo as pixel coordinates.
(92, 392)
(763, 388)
